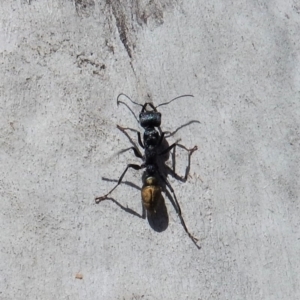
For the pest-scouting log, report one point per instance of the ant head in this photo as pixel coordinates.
(150, 119)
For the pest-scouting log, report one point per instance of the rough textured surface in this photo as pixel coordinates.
(63, 63)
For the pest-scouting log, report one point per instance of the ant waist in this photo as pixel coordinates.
(151, 169)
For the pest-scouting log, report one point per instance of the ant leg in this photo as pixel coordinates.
(188, 167)
(173, 172)
(123, 129)
(182, 126)
(129, 210)
(167, 150)
(179, 145)
(194, 239)
(136, 151)
(136, 167)
(140, 140)
(161, 138)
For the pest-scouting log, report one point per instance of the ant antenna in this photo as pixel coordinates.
(128, 99)
(129, 110)
(119, 101)
(173, 100)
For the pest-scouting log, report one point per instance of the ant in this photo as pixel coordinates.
(152, 140)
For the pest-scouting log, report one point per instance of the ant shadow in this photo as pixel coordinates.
(158, 221)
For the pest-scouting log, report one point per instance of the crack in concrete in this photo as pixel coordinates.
(121, 25)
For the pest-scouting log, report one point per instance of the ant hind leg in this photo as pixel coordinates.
(136, 167)
(165, 180)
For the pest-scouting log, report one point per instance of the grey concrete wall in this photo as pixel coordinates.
(63, 63)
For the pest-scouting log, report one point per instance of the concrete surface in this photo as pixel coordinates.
(63, 63)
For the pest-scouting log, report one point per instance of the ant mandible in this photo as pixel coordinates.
(152, 140)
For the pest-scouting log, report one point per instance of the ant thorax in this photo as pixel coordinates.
(150, 155)
(151, 137)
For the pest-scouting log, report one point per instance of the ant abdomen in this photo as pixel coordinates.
(151, 194)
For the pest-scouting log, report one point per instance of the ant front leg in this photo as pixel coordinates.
(136, 151)
(136, 167)
(135, 148)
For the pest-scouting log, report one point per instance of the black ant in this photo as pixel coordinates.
(152, 140)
